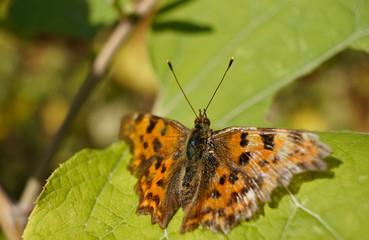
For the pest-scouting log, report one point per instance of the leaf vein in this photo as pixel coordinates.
(316, 216)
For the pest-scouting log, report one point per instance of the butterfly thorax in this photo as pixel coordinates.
(198, 138)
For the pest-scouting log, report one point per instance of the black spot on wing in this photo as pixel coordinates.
(244, 190)
(151, 126)
(233, 178)
(244, 140)
(159, 159)
(268, 140)
(156, 145)
(244, 143)
(160, 183)
(244, 158)
(222, 180)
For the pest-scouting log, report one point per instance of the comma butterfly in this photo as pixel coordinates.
(217, 177)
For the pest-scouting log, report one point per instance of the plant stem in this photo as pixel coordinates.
(8, 217)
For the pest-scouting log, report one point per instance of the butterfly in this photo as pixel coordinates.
(217, 177)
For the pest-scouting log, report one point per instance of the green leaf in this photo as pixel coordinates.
(78, 194)
(273, 42)
(91, 196)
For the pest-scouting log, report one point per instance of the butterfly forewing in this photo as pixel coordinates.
(269, 157)
(156, 144)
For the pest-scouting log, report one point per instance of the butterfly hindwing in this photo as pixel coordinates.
(228, 199)
(155, 144)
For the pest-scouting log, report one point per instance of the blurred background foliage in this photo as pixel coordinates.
(45, 55)
(46, 49)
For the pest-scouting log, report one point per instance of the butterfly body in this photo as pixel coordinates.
(198, 139)
(199, 163)
(217, 177)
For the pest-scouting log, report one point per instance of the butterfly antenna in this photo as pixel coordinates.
(229, 65)
(179, 85)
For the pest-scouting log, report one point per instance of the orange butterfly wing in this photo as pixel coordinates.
(252, 163)
(157, 145)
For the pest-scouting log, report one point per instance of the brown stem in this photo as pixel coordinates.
(7, 217)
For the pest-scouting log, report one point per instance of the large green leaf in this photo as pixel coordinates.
(274, 43)
(91, 196)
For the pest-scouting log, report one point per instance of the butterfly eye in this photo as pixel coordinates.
(207, 122)
(197, 122)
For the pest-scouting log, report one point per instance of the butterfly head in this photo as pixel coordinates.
(202, 121)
